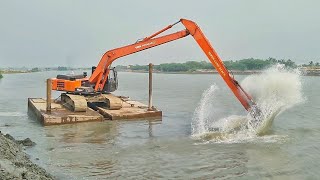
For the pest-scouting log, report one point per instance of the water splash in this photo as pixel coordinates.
(274, 90)
(204, 112)
(275, 87)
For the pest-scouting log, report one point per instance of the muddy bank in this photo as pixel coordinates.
(15, 164)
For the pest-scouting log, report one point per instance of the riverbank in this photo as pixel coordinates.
(15, 164)
(304, 72)
(13, 71)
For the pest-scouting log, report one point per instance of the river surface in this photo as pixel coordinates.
(165, 150)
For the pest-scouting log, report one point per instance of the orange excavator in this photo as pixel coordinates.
(104, 78)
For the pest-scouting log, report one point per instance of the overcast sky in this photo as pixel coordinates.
(77, 33)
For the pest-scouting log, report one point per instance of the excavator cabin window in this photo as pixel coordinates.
(112, 82)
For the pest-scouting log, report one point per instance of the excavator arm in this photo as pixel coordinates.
(99, 76)
(216, 61)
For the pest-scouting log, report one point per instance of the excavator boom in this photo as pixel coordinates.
(99, 76)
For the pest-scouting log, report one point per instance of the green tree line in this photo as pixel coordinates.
(311, 64)
(241, 65)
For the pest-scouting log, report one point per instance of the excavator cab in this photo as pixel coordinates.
(112, 82)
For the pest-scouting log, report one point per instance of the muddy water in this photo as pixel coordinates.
(147, 150)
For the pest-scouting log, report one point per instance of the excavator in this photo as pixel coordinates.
(82, 91)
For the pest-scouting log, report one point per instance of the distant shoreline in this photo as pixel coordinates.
(304, 72)
(312, 72)
(14, 72)
(194, 72)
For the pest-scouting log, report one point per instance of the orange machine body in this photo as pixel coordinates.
(67, 85)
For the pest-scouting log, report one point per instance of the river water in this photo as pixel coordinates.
(167, 149)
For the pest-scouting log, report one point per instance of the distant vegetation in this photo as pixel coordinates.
(312, 64)
(190, 66)
(35, 70)
(12, 70)
(250, 64)
(61, 68)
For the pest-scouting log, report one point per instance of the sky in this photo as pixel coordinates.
(37, 33)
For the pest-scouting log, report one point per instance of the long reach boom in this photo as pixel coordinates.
(99, 76)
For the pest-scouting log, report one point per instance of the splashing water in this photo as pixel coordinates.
(274, 90)
(204, 112)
